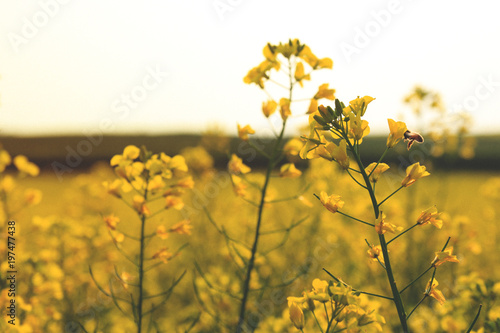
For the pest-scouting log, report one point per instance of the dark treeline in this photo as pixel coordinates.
(82, 152)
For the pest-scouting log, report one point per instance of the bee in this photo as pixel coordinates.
(412, 137)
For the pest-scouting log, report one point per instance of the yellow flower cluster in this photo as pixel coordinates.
(150, 174)
(341, 304)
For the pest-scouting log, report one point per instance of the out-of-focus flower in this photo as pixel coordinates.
(243, 132)
(332, 202)
(139, 205)
(430, 215)
(182, 228)
(375, 174)
(324, 92)
(238, 186)
(173, 201)
(25, 166)
(292, 147)
(285, 111)
(313, 61)
(397, 131)
(300, 74)
(414, 172)
(5, 159)
(296, 315)
(289, 170)
(444, 256)
(163, 255)
(111, 221)
(269, 107)
(161, 232)
(236, 166)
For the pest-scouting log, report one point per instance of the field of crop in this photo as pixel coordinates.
(58, 240)
(335, 231)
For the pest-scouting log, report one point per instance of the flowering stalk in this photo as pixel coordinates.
(388, 268)
(149, 177)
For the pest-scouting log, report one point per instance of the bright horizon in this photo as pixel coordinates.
(175, 67)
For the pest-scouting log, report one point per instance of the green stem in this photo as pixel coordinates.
(415, 280)
(355, 219)
(390, 196)
(390, 276)
(379, 160)
(141, 268)
(475, 318)
(401, 234)
(416, 306)
(251, 262)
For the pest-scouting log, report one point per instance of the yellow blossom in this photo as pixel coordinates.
(23, 165)
(375, 252)
(182, 228)
(444, 256)
(161, 232)
(358, 128)
(243, 132)
(269, 107)
(382, 227)
(292, 147)
(358, 106)
(125, 278)
(111, 221)
(7, 183)
(414, 172)
(375, 174)
(433, 292)
(236, 166)
(5, 159)
(172, 201)
(313, 106)
(285, 108)
(332, 202)
(296, 315)
(139, 205)
(313, 61)
(114, 187)
(178, 165)
(186, 182)
(289, 49)
(258, 74)
(238, 186)
(156, 183)
(163, 255)
(397, 131)
(300, 74)
(430, 215)
(324, 92)
(118, 237)
(289, 170)
(130, 153)
(333, 152)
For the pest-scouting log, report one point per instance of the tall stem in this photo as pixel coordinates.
(251, 262)
(383, 244)
(141, 269)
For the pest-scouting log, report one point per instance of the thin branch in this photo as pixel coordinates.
(356, 290)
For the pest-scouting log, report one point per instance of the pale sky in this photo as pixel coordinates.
(70, 66)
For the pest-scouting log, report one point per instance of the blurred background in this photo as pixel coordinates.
(75, 69)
